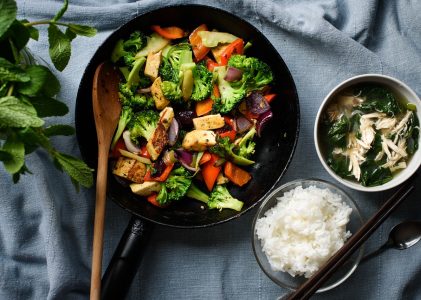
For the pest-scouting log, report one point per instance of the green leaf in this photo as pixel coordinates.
(19, 34)
(16, 113)
(17, 150)
(48, 107)
(61, 12)
(8, 11)
(34, 137)
(70, 34)
(10, 72)
(82, 30)
(77, 169)
(60, 49)
(59, 130)
(42, 81)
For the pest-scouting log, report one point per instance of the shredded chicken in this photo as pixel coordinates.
(385, 123)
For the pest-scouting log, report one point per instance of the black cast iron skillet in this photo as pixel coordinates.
(273, 152)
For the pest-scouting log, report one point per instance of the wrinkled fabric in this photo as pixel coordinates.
(46, 226)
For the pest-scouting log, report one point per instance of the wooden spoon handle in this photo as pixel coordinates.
(101, 187)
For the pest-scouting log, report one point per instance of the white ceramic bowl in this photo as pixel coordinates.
(398, 87)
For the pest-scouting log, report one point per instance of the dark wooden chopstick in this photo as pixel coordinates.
(308, 288)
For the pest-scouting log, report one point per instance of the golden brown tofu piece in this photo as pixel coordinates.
(209, 122)
(199, 140)
(158, 141)
(130, 169)
(166, 116)
(146, 188)
(152, 64)
(160, 101)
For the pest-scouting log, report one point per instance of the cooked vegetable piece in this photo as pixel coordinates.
(175, 187)
(213, 38)
(208, 122)
(146, 188)
(236, 47)
(143, 124)
(204, 107)
(230, 95)
(198, 48)
(187, 85)
(221, 198)
(162, 176)
(125, 117)
(170, 33)
(202, 80)
(210, 172)
(127, 49)
(129, 154)
(270, 97)
(205, 158)
(152, 64)
(235, 174)
(155, 42)
(199, 140)
(152, 199)
(224, 148)
(160, 100)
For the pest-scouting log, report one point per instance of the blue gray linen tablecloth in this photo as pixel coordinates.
(46, 226)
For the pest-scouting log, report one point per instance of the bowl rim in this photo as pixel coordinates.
(262, 206)
(405, 174)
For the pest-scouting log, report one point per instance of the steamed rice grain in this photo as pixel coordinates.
(303, 230)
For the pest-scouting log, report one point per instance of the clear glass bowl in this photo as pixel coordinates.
(284, 279)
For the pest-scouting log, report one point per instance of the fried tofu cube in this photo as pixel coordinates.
(130, 169)
(157, 142)
(146, 188)
(209, 122)
(160, 101)
(199, 140)
(152, 64)
(166, 116)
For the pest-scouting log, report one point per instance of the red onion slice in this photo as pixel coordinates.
(242, 124)
(173, 132)
(262, 121)
(257, 104)
(129, 144)
(185, 158)
(144, 91)
(185, 117)
(233, 74)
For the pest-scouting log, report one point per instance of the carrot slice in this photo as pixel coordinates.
(269, 97)
(205, 158)
(231, 134)
(144, 152)
(170, 33)
(235, 174)
(210, 172)
(203, 107)
(215, 91)
(199, 50)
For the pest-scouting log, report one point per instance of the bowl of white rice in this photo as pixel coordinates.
(299, 226)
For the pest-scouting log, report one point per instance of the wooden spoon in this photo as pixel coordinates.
(107, 108)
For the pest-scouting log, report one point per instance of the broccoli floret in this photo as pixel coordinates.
(133, 78)
(144, 81)
(128, 97)
(175, 187)
(175, 53)
(125, 117)
(256, 73)
(221, 198)
(224, 149)
(195, 193)
(202, 83)
(172, 91)
(127, 49)
(246, 145)
(230, 95)
(143, 124)
(167, 72)
(136, 42)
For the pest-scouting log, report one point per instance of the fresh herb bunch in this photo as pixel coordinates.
(27, 93)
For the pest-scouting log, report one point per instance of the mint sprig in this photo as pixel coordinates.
(27, 93)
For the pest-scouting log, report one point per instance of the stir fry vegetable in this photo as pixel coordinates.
(193, 107)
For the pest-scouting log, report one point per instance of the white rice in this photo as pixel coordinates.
(303, 230)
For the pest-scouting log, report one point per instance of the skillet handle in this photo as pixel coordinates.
(126, 259)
